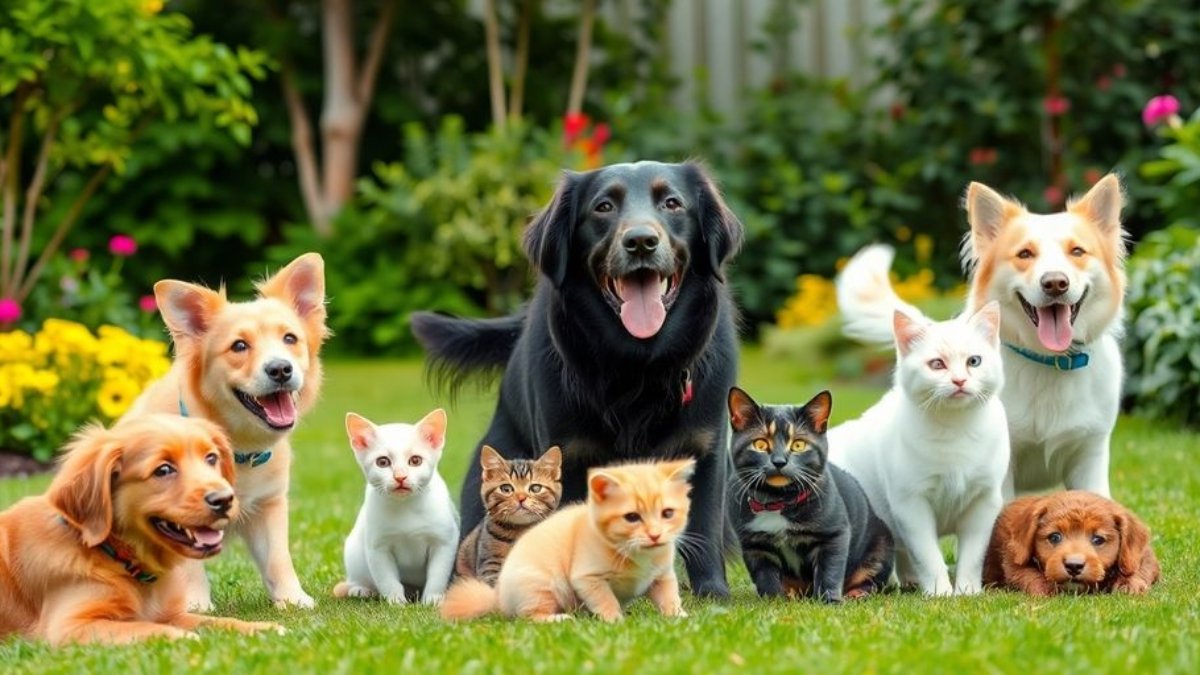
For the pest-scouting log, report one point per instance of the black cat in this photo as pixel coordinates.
(805, 526)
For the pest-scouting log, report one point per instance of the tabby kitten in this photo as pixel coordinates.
(805, 526)
(517, 493)
(601, 554)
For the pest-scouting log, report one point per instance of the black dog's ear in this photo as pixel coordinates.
(720, 230)
(548, 237)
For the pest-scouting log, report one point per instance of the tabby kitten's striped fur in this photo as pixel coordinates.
(518, 493)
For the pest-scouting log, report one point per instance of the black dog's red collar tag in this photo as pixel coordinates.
(687, 388)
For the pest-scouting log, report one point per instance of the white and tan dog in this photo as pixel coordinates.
(253, 368)
(1060, 282)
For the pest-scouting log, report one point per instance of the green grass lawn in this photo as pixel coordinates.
(995, 632)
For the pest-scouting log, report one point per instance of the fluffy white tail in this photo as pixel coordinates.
(866, 298)
(469, 599)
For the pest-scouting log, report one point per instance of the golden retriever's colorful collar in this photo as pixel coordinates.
(252, 458)
(122, 553)
(758, 507)
(1072, 360)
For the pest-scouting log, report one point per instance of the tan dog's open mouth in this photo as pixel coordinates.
(1055, 323)
(277, 409)
(204, 541)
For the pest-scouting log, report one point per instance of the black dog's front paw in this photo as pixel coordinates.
(716, 589)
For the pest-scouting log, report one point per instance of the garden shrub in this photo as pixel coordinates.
(1162, 345)
(55, 380)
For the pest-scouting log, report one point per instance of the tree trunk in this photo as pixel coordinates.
(516, 99)
(491, 26)
(583, 55)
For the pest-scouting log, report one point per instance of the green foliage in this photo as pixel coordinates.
(92, 291)
(1162, 346)
(1179, 171)
(440, 230)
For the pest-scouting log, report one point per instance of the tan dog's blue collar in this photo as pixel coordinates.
(1072, 360)
(122, 553)
(252, 458)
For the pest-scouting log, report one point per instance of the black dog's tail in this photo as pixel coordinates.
(464, 349)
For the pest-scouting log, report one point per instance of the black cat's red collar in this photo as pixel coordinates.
(758, 507)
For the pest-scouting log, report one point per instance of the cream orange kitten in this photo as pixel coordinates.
(601, 554)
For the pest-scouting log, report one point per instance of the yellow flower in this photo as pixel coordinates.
(813, 304)
(116, 395)
(152, 6)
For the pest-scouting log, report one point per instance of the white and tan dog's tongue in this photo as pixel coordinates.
(280, 408)
(642, 309)
(1054, 327)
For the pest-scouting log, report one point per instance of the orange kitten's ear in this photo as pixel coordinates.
(551, 462)
(818, 410)
(602, 486)
(679, 471)
(491, 461)
(907, 331)
(432, 430)
(361, 432)
(742, 409)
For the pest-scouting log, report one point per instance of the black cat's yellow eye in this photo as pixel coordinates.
(633, 517)
(799, 446)
(534, 489)
(761, 444)
(506, 489)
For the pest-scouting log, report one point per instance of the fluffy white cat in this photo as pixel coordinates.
(406, 535)
(932, 454)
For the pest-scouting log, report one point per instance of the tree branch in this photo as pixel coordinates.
(495, 73)
(583, 55)
(376, 48)
(341, 114)
(33, 194)
(516, 96)
(302, 148)
(12, 177)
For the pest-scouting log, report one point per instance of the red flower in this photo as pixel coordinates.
(981, 156)
(573, 126)
(1056, 105)
(897, 111)
(1103, 83)
(1118, 70)
(1053, 195)
(1159, 109)
(79, 255)
(1092, 176)
(147, 304)
(600, 134)
(122, 245)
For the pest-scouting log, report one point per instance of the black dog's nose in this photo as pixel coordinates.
(640, 239)
(1074, 567)
(279, 370)
(219, 500)
(1055, 284)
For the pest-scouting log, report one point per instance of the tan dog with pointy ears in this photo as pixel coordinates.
(253, 368)
(99, 557)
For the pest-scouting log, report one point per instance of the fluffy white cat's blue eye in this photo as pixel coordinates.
(937, 364)
(974, 361)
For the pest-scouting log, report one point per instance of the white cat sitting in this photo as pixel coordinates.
(406, 534)
(933, 452)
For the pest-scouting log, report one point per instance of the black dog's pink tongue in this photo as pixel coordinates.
(1054, 327)
(642, 309)
(280, 409)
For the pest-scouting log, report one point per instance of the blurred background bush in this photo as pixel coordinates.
(411, 142)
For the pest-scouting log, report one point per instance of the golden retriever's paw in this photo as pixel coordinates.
(1131, 585)
(298, 600)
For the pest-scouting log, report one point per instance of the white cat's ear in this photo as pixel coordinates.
(1102, 204)
(490, 460)
(742, 409)
(987, 322)
(679, 471)
(551, 462)
(818, 410)
(602, 486)
(432, 430)
(907, 331)
(361, 432)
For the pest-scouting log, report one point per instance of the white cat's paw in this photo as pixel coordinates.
(298, 599)
(941, 587)
(967, 588)
(396, 598)
(360, 592)
(432, 598)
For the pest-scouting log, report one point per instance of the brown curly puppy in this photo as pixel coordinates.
(1070, 541)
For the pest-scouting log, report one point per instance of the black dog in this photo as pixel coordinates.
(628, 347)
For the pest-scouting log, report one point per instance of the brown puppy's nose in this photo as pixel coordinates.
(220, 501)
(640, 240)
(1074, 566)
(1055, 284)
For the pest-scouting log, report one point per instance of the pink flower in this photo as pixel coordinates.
(1159, 109)
(600, 134)
(10, 311)
(1103, 83)
(1053, 195)
(147, 304)
(79, 255)
(573, 126)
(122, 245)
(1056, 105)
